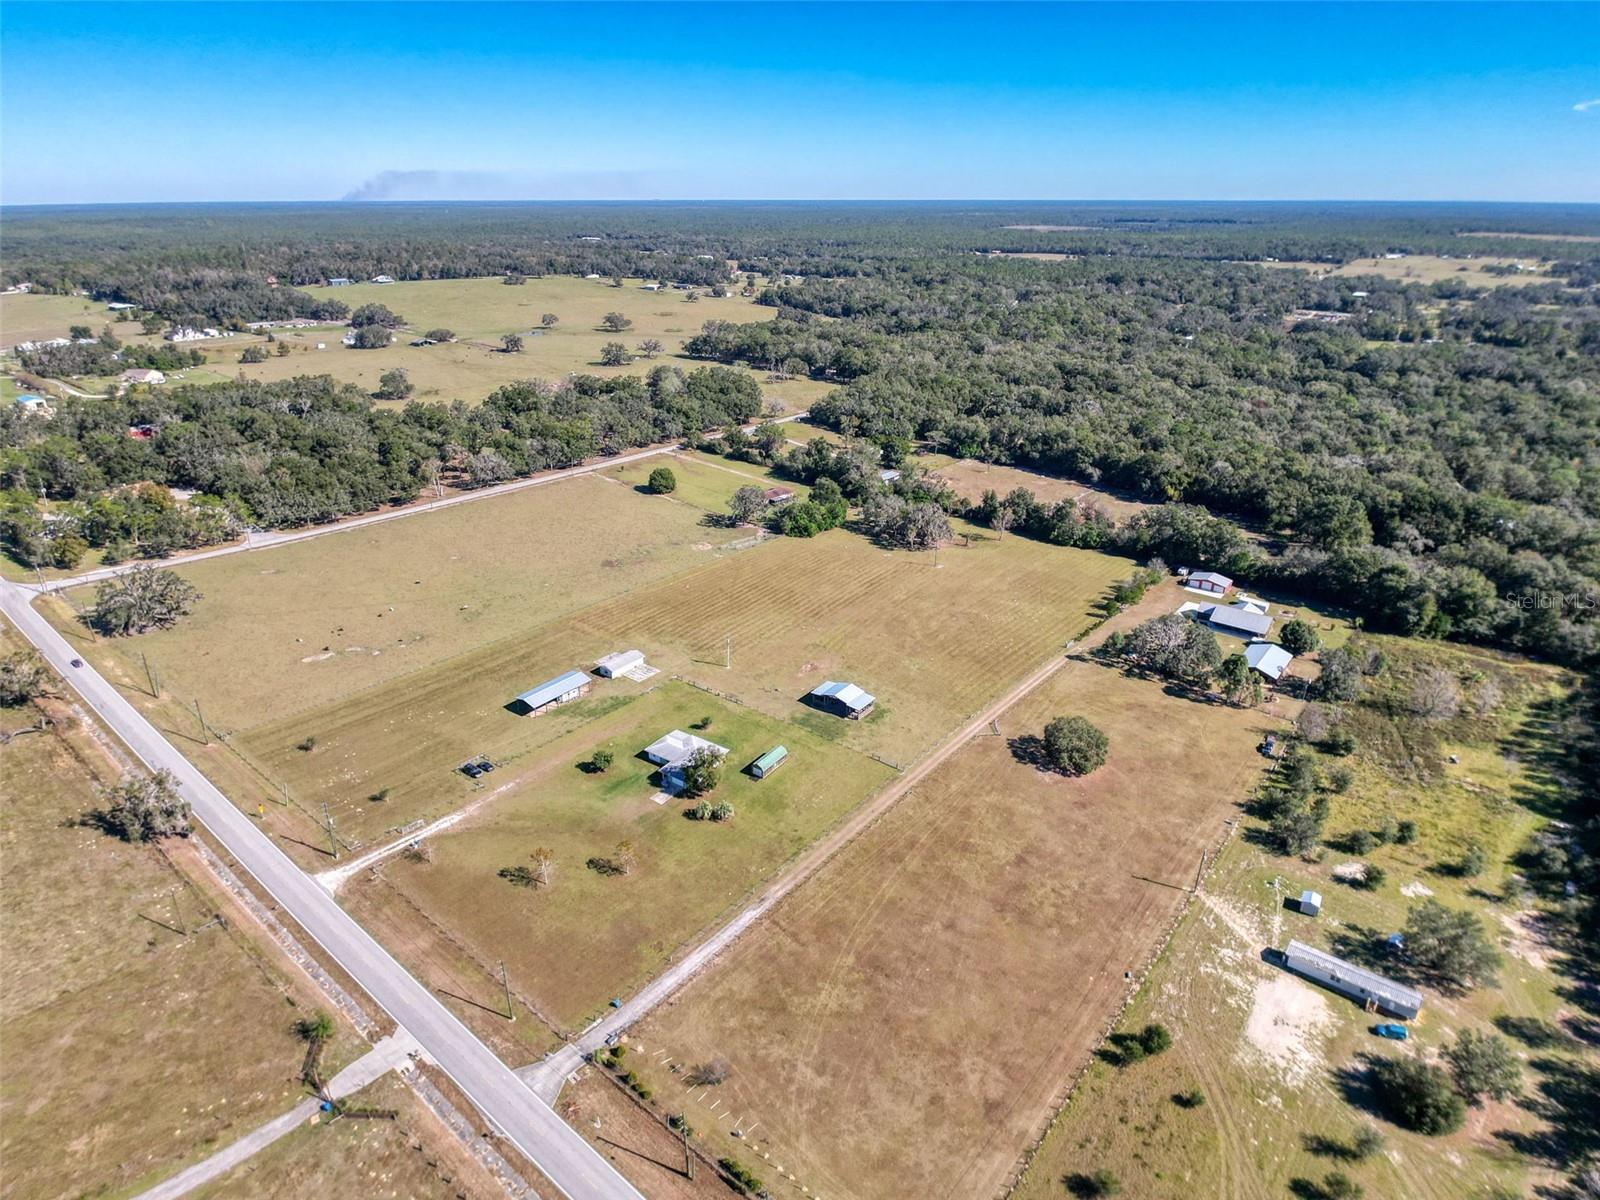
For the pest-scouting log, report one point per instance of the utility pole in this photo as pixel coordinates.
(511, 1013)
(177, 914)
(150, 676)
(199, 716)
(333, 838)
(688, 1156)
(727, 653)
(284, 787)
(1199, 871)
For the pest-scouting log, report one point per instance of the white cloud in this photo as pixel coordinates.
(1586, 105)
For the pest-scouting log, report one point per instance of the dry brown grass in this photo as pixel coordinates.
(412, 1157)
(1429, 268)
(130, 1046)
(900, 1025)
(969, 479)
(648, 1154)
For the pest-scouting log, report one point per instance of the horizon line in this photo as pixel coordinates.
(800, 200)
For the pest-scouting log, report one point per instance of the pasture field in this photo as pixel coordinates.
(590, 935)
(706, 481)
(1532, 237)
(481, 311)
(131, 1047)
(797, 612)
(933, 639)
(1281, 1063)
(969, 479)
(31, 317)
(901, 1024)
(649, 1155)
(412, 1157)
(1430, 268)
(398, 681)
(297, 627)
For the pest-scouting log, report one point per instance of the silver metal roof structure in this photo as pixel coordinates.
(616, 664)
(676, 747)
(1351, 980)
(554, 689)
(1239, 619)
(847, 694)
(1267, 658)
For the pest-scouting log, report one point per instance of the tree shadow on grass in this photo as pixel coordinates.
(1533, 1032)
(1121, 1050)
(1028, 749)
(1566, 1097)
(1357, 1085)
(1367, 947)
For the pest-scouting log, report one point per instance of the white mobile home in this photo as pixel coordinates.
(1372, 991)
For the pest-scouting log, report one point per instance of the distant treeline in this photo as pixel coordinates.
(60, 249)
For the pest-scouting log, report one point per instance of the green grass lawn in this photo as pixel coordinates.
(31, 317)
(706, 481)
(589, 936)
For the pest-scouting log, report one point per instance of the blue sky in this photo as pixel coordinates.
(145, 102)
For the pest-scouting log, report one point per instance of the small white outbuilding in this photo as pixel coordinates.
(619, 663)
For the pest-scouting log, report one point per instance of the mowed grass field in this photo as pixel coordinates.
(900, 1025)
(297, 627)
(933, 641)
(1430, 268)
(30, 317)
(797, 612)
(130, 1048)
(398, 681)
(571, 946)
(481, 311)
(969, 479)
(706, 481)
(1279, 1060)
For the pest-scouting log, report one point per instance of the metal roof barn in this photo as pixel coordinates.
(847, 694)
(562, 686)
(616, 664)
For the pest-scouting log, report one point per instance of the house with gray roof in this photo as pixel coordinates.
(1269, 659)
(1239, 620)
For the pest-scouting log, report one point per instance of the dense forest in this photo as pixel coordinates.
(1428, 453)
(311, 450)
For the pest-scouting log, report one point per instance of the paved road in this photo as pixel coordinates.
(391, 1053)
(262, 539)
(547, 1076)
(526, 1122)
